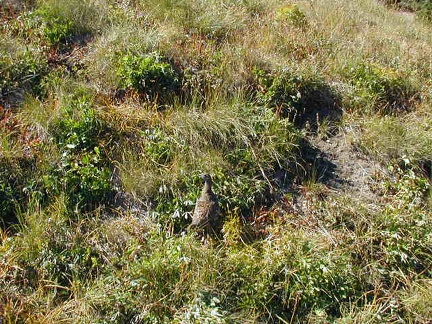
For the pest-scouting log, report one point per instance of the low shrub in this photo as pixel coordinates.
(384, 90)
(403, 4)
(59, 22)
(260, 283)
(82, 172)
(422, 7)
(84, 179)
(292, 14)
(14, 177)
(56, 29)
(158, 146)
(322, 283)
(409, 187)
(20, 71)
(64, 257)
(205, 72)
(78, 130)
(302, 99)
(404, 248)
(425, 11)
(150, 75)
(174, 203)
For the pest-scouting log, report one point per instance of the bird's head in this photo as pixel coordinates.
(206, 177)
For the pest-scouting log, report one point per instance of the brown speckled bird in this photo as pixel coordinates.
(206, 216)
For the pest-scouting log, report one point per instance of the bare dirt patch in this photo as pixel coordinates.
(352, 171)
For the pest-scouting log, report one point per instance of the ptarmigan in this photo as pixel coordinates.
(206, 216)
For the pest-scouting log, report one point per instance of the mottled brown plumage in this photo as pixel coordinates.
(206, 216)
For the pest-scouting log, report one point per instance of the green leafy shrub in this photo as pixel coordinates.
(83, 178)
(63, 259)
(7, 199)
(403, 243)
(292, 14)
(400, 245)
(422, 7)
(405, 249)
(323, 283)
(56, 28)
(20, 71)
(409, 186)
(204, 74)
(14, 178)
(158, 146)
(425, 11)
(242, 191)
(56, 251)
(204, 308)
(299, 98)
(386, 90)
(80, 129)
(240, 146)
(261, 283)
(174, 203)
(291, 276)
(149, 74)
(59, 22)
(82, 173)
(163, 264)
